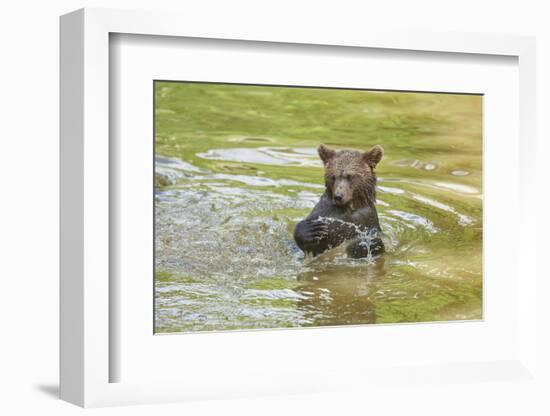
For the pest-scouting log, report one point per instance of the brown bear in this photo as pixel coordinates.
(346, 211)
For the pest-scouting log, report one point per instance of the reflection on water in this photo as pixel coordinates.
(226, 204)
(266, 156)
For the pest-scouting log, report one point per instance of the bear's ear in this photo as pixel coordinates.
(374, 155)
(325, 153)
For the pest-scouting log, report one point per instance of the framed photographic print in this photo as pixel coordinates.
(269, 212)
(258, 224)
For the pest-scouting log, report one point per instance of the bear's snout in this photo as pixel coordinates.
(342, 193)
(339, 200)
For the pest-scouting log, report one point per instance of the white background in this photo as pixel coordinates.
(29, 209)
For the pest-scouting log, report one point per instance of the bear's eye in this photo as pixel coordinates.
(349, 177)
(332, 178)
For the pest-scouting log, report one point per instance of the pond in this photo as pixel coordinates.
(236, 168)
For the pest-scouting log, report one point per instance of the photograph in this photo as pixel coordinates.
(297, 206)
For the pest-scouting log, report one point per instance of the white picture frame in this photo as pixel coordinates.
(85, 211)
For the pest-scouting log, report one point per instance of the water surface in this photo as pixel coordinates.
(236, 169)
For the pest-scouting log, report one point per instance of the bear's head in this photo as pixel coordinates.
(350, 178)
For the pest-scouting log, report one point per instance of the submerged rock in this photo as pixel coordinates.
(162, 180)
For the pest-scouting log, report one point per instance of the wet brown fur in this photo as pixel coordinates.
(350, 195)
(351, 172)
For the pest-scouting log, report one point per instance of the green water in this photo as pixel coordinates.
(236, 169)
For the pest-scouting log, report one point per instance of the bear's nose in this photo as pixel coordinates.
(337, 198)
